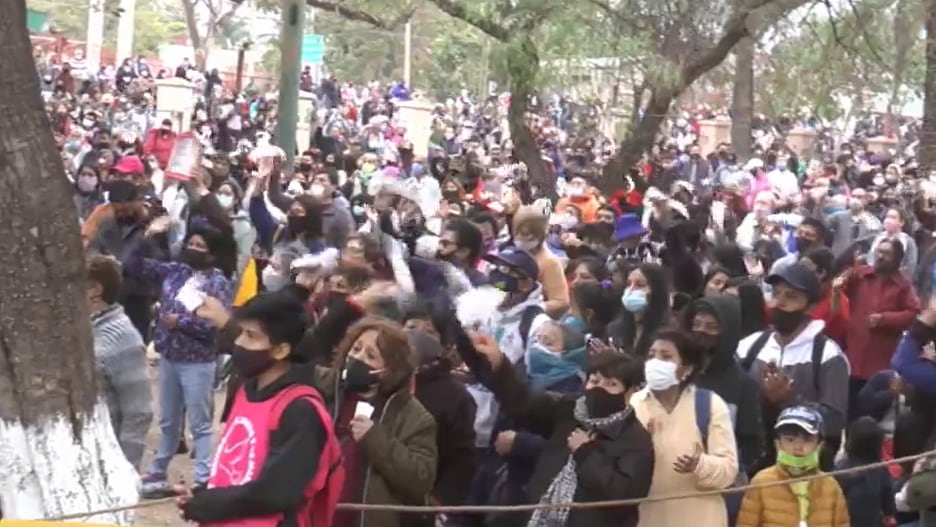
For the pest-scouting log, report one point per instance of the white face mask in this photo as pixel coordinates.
(225, 200)
(272, 279)
(575, 191)
(526, 245)
(660, 374)
(317, 190)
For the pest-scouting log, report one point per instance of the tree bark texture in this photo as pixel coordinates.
(663, 94)
(927, 147)
(58, 452)
(524, 66)
(742, 99)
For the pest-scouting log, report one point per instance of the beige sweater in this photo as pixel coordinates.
(675, 434)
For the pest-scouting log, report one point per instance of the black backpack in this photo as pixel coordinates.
(818, 348)
(526, 323)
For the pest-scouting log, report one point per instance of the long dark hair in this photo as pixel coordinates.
(656, 315)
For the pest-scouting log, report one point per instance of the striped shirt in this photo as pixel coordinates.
(121, 363)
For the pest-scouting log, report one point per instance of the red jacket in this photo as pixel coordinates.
(869, 349)
(836, 326)
(159, 146)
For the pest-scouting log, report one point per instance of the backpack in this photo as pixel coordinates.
(818, 348)
(526, 322)
(703, 412)
(323, 492)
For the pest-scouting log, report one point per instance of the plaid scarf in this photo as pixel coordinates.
(563, 486)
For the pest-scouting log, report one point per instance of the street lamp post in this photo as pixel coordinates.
(291, 47)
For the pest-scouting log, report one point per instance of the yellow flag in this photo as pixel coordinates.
(248, 287)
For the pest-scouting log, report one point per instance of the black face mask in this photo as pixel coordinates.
(706, 342)
(359, 377)
(600, 403)
(451, 196)
(197, 260)
(802, 245)
(335, 297)
(445, 257)
(296, 224)
(250, 363)
(786, 322)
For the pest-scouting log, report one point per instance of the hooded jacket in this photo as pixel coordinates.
(511, 342)
(725, 377)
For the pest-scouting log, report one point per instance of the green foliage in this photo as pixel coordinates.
(851, 54)
(154, 25)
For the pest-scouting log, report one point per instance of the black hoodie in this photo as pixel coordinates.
(725, 377)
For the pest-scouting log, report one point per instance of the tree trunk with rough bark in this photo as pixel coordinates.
(742, 99)
(523, 65)
(60, 454)
(926, 151)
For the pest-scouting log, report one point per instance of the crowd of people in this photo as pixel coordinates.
(411, 327)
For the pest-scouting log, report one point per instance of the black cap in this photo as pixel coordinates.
(121, 191)
(516, 259)
(799, 277)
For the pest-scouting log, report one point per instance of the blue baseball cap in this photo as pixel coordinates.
(803, 417)
(517, 259)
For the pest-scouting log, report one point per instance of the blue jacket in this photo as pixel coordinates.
(870, 494)
(916, 370)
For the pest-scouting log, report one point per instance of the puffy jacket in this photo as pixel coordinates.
(778, 507)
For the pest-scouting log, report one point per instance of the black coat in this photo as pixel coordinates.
(617, 465)
(453, 409)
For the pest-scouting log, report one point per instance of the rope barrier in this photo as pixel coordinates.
(453, 509)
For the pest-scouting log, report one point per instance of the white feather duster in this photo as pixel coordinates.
(477, 309)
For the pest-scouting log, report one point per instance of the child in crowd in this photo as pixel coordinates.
(818, 502)
(869, 493)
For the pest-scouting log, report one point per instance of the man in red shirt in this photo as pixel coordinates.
(159, 142)
(883, 304)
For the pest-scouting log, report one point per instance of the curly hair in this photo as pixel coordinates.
(394, 345)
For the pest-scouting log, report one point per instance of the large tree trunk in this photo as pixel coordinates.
(199, 44)
(523, 66)
(742, 99)
(637, 142)
(927, 148)
(904, 37)
(60, 454)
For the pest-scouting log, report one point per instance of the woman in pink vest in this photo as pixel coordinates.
(278, 463)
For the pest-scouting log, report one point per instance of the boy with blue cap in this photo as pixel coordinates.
(817, 502)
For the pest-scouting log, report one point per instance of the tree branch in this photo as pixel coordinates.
(359, 15)
(734, 30)
(455, 9)
(619, 17)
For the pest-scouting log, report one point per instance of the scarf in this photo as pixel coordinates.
(563, 486)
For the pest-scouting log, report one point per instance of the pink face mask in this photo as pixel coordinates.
(891, 226)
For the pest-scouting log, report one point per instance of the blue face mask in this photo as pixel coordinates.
(575, 322)
(357, 210)
(634, 300)
(546, 368)
(503, 281)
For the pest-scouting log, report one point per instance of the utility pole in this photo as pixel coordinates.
(408, 57)
(95, 38)
(291, 46)
(125, 30)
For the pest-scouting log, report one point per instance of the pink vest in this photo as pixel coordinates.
(246, 441)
